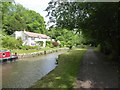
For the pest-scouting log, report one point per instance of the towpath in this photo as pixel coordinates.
(95, 72)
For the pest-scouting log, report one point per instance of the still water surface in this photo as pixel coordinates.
(25, 72)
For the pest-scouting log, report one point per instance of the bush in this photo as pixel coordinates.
(10, 42)
(49, 44)
(55, 44)
(62, 43)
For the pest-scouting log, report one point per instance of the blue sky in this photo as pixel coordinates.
(37, 5)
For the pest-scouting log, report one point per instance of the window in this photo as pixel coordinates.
(33, 44)
(32, 38)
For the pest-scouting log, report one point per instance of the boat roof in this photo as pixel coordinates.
(4, 50)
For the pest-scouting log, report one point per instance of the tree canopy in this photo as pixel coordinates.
(15, 18)
(66, 37)
(98, 21)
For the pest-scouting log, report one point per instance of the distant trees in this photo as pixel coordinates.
(66, 37)
(99, 22)
(16, 17)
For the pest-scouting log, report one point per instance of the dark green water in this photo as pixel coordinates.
(25, 72)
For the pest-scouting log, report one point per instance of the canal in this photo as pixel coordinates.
(25, 72)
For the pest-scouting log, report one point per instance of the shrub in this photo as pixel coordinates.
(10, 42)
(62, 43)
(49, 44)
(55, 44)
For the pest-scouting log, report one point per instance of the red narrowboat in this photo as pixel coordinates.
(5, 55)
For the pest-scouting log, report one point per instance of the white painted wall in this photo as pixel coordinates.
(31, 42)
(18, 34)
(27, 40)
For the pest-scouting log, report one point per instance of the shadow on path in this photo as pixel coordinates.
(95, 72)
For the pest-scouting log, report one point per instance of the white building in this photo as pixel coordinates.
(32, 39)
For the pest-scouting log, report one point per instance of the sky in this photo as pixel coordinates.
(40, 5)
(37, 5)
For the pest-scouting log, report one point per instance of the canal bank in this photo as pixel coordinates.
(65, 74)
(29, 70)
(34, 54)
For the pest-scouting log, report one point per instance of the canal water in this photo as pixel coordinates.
(25, 72)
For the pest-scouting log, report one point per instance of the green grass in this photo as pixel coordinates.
(64, 75)
(21, 51)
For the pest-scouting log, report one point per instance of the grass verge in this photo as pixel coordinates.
(30, 50)
(64, 75)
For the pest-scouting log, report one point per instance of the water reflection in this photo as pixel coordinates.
(23, 73)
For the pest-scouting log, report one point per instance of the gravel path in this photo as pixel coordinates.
(95, 72)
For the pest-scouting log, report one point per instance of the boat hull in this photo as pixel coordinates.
(5, 55)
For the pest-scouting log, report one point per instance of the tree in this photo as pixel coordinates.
(12, 19)
(34, 22)
(17, 18)
(66, 37)
(98, 22)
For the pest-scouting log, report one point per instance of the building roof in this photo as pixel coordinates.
(31, 34)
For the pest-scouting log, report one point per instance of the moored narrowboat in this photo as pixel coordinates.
(5, 55)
